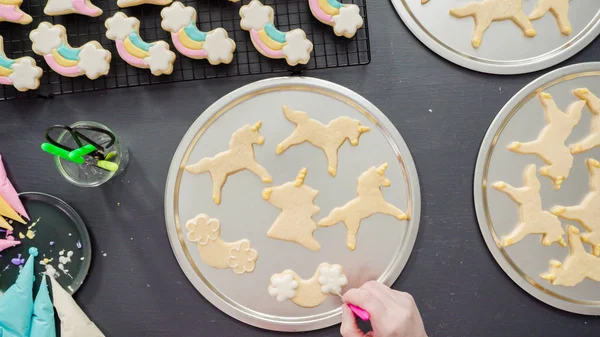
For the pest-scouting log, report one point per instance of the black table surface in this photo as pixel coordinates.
(441, 110)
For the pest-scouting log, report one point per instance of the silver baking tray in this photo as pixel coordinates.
(504, 49)
(521, 119)
(384, 243)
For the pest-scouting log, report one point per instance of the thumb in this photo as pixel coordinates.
(349, 327)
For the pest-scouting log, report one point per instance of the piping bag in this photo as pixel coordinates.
(8, 192)
(358, 311)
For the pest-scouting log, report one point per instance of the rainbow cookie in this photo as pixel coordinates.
(292, 46)
(180, 21)
(155, 56)
(345, 19)
(50, 41)
(63, 7)
(10, 12)
(22, 73)
(131, 3)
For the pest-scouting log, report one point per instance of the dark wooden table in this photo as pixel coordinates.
(441, 110)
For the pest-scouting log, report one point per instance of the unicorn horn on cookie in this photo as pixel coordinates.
(10, 12)
(21, 73)
(292, 46)
(180, 21)
(345, 19)
(50, 41)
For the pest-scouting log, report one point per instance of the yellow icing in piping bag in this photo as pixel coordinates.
(7, 211)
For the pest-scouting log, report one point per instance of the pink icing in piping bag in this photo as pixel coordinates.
(360, 312)
(8, 192)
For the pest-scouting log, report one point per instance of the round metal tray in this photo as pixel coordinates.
(384, 243)
(505, 50)
(521, 119)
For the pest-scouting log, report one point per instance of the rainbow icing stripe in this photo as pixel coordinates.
(10, 11)
(50, 41)
(180, 21)
(345, 19)
(22, 73)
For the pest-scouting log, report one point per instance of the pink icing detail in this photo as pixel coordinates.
(318, 12)
(66, 71)
(269, 52)
(80, 7)
(10, 13)
(186, 51)
(5, 80)
(134, 61)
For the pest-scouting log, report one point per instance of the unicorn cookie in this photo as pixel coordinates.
(328, 279)
(10, 11)
(368, 202)
(180, 21)
(63, 7)
(131, 3)
(50, 41)
(345, 19)
(21, 73)
(558, 8)
(593, 139)
(205, 232)
(240, 156)
(125, 31)
(292, 46)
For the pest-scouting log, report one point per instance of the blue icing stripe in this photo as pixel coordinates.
(69, 53)
(192, 31)
(274, 33)
(335, 4)
(6, 63)
(138, 42)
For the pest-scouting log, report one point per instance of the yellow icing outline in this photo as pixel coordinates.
(272, 44)
(63, 61)
(133, 50)
(189, 43)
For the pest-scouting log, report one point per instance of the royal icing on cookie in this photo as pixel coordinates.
(296, 201)
(240, 156)
(533, 219)
(131, 3)
(21, 73)
(328, 279)
(50, 41)
(593, 139)
(488, 11)
(125, 31)
(180, 21)
(10, 11)
(558, 8)
(292, 46)
(205, 232)
(62, 7)
(550, 144)
(577, 266)
(328, 138)
(368, 202)
(345, 19)
(587, 213)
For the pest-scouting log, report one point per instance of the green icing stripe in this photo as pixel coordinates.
(6, 63)
(335, 4)
(192, 31)
(138, 42)
(69, 53)
(274, 33)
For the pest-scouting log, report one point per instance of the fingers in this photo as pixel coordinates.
(364, 299)
(349, 327)
(381, 291)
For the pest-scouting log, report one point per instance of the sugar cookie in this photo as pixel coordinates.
(533, 220)
(593, 139)
(578, 265)
(424, 2)
(240, 156)
(131, 3)
(63, 7)
(21, 73)
(368, 202)
(296, 201)
(558, 8)
(180, 21)
(125, 31)
(345, 19)
(50, 41)
(293, 46)
(588, 212)
(328, 137)
(488, 11)
(328, 279)
(10, 11)
(205, 232)
(550, 144)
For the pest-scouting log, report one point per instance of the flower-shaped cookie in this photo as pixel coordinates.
(203, 229)
(283, 287)
(242, 259)
(332, 279)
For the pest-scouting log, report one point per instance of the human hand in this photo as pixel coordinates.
(393, 313)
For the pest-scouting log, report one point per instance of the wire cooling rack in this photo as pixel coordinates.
(329, 51)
